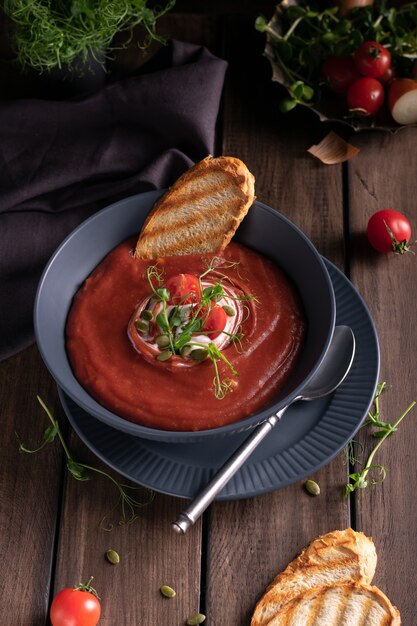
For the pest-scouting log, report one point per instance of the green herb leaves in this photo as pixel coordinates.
(361, 480)
(300, 93)
(129, 504)
(301, 38)
(186, 308)
(53, 34)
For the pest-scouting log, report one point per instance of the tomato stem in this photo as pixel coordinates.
(87, 587)
(398, 247)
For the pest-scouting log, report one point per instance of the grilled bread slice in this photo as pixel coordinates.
(200, 212)
(339, 605)
(341, 556)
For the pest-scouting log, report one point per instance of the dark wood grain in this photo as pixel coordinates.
(250, 541)
(275, 145)
(49, 523)
(30, 491)
(384, 176)
(151, 555)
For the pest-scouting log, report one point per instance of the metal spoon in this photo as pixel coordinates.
(331, 373)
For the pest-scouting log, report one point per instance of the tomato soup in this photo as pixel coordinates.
(118, 360)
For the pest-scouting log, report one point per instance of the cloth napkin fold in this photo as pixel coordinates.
(61, 161)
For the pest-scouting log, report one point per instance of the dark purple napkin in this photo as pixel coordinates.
(60, 161)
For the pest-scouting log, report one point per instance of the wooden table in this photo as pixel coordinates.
(49, 522)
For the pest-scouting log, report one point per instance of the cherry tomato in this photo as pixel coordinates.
(389, 231)
(388, 76)
(339, 73)
(183, 289)
(367, 95)
(372, 59)
(76, 607)
(214, 320)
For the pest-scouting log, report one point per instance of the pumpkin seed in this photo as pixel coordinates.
(146, 315)
(199, 354)
(167, 591)
(196, 619)
(112, 556)
(162, 341)
(164, 356)
(229, 310)
(141, 326)
(312, 487)
(186, 350)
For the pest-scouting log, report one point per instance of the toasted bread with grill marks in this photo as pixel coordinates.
(200, 212)
(335, 558)
(339, 605)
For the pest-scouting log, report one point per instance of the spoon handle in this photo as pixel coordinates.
(191, 514)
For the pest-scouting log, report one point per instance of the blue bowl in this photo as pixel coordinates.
(263, 230)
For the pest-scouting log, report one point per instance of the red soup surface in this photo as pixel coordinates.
(165, 394)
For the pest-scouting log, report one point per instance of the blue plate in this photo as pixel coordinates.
(309, 436)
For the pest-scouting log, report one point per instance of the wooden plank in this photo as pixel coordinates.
(30, 488)
(383, 176)
(151, 554)
(249, 541)
(275, 145)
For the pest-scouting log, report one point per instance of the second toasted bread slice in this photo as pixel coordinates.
(341, 556)
(200, 213)
(339, 605)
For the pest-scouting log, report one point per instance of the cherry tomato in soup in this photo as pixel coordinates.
(339, 73)
(78, 606)
(366, 95)
(183, 289)
(389, 231)
(372, 59)
(214, 320)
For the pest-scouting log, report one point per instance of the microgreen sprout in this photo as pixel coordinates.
(54, 34)
(127, 500)
(374, 418)
(179, 333)
(216, 267)
(236, 339)
(360, 480)
(220, 387)
(301, 38)
(155, 279)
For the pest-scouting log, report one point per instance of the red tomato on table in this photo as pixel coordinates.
(183, 289)
(389, 231)
(78, 606)
(372, 59)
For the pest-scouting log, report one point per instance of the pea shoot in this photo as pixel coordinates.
(302, 36)
(186, 307)
(361, 480)
(127, 500)
(53, 34)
